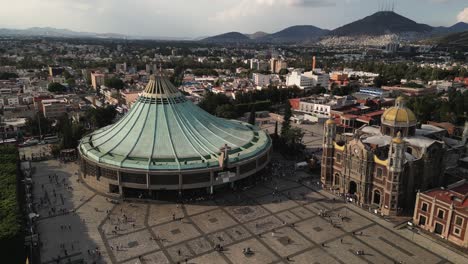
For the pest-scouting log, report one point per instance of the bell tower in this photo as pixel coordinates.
(395, 166)
(327, 156)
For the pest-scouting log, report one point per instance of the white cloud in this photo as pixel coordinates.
(246, 8)
(463, 16)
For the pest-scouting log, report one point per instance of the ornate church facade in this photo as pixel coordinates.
(384, 167)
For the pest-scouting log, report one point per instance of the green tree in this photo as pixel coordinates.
(11, 223)
(115, 83)
(71, 81)
(101, 117)
(286, 125)
(283, 72)
(226, 111)
(275, 134)
(252, 115)
(211, 101)
(66, 74)
(32, 125)
(7, 75)
(56, 88)
(293, 138)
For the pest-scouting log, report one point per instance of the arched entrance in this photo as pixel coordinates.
(337, 180)
(376, 199)
(352, 187)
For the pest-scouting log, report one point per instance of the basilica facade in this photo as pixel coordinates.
(384, 167)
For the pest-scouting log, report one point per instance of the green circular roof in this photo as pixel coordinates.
(165, 131)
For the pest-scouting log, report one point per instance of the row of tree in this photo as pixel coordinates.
(11, 224)
(452, 108)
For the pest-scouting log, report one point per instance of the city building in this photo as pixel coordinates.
(383, 167)
(97, 79)
(321, 105)
(391, 47)
(276, 65)
(261, 79)
(296, 78)
(55, 71)
(166, 143)
(54, 108)
(444, 212)
(411, 92)
(121, 67)
(308, 79)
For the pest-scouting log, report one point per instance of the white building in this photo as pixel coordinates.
(319, 79)
(307, 79)
(261, 79)
(298, 79)
(12, 100)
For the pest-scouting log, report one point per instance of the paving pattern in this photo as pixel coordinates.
(79, 226)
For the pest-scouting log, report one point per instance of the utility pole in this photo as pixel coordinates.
(39, 124)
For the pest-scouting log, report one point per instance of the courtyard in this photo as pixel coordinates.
(282, 221)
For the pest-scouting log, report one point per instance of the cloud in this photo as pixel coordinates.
(314, 3)
(246, 8)
(463, 16)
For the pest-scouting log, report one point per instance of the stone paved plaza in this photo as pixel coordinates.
(285, 227)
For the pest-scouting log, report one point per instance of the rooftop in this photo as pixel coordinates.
(165, 131)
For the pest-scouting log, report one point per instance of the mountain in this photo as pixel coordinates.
(459, 39)
(381, 23)
(55, 32)
(301, 33)
(231, 37)
(257, 35)
(458, 27)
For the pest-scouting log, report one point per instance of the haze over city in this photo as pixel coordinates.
(234, 131)
(191, 19)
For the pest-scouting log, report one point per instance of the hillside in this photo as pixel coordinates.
(458, 27)
(257, 35)
(231, 37)
(55, 32)
(301, 33)
(381, 23)
(454, 40)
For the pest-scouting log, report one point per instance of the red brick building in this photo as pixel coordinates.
(444, 212)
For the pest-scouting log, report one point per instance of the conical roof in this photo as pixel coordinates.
(165, 131)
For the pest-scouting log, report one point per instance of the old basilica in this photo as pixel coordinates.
(384, 167)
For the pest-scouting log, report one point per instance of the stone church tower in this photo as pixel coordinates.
(328, 147)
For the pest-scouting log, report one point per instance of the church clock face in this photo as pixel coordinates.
(356, 150)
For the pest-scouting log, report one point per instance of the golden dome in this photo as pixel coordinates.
(399, 115)
(396, 114)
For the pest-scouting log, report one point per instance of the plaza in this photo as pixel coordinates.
(280, 221)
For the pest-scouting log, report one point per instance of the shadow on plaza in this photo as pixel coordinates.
(65, 213)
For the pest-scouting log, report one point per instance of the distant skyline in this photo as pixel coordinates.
(197, 18)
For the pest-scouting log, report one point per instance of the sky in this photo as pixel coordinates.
(200, 18)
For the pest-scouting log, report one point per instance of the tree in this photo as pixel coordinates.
(101, 117)
(283, 72)
(286, 125)
(252, 115)
(115, 83)
(293, 138)
(226, 111)
(211, 101)
(32, 125)
(11, 223)
(7, 75)
(66, 74)
(56, 88)
(71, 81)
(276, 130)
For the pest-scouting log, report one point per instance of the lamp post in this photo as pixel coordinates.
(39, 124)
